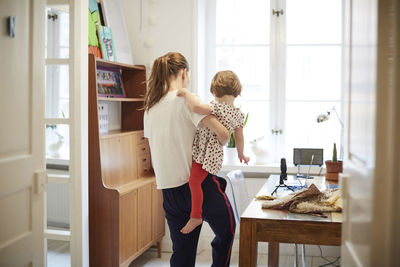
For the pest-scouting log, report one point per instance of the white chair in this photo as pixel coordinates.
(241, 200)
(240, 195)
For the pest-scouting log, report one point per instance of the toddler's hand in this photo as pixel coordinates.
(244, 159)
(182, 92)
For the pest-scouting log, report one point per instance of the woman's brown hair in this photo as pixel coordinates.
(225, 83)
(163, 69)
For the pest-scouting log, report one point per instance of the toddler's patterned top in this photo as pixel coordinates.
(206, 147)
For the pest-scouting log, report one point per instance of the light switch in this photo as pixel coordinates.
(11, 26)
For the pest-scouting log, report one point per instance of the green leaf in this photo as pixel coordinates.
(231, 142)
(245, 120)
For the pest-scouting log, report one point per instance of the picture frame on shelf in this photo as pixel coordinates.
(109, 83)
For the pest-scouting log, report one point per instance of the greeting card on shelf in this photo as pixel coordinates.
(109, 82)
(103, 117)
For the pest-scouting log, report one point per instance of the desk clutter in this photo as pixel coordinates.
(307, 200)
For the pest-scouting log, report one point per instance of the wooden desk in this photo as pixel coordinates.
(275, 226)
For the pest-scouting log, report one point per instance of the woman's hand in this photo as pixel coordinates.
(182, 92)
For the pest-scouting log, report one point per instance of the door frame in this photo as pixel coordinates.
(385, 239)
(77, 180)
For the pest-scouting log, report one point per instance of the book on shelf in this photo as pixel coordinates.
(106, 42)
(109, 82)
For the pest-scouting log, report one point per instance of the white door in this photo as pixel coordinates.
(370, 183)
(22, 156)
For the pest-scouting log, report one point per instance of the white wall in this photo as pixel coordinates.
(156, 27)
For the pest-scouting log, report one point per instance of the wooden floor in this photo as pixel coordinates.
(58, 256)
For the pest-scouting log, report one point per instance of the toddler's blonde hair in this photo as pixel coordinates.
(225, 83)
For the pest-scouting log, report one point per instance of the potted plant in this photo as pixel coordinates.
(230, 157)
(334, 166)
(231, 142)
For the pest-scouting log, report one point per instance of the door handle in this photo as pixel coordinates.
(40, 182)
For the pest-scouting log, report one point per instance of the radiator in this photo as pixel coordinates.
(58, 205)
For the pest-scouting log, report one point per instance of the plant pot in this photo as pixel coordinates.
(332, 176)
(230, 156)
(334, 167)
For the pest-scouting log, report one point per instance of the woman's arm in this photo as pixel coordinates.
(194, 104)
(239, 140)
(222, 133)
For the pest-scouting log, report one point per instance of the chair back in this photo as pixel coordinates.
(240, 195)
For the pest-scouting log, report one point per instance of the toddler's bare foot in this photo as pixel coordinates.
(191, 225)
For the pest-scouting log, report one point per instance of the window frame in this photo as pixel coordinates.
(277, 69)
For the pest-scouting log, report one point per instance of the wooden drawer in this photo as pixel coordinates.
(143, 164)
(140, 139)
(142, 149)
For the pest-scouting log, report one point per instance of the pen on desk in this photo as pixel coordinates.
(312, 159)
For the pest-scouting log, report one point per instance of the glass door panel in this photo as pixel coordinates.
(243, 46)
(313, 22)
(313, 50)
(243, 22)
(57, 91)
(57, 32)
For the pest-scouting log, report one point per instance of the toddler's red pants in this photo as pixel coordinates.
(197, 176)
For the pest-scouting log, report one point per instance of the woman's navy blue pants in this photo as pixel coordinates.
(217, 211)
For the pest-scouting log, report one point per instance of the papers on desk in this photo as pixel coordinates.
(264, 197)
(300, 183)
(309, 201)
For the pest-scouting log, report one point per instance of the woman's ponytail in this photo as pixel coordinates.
(163, 69)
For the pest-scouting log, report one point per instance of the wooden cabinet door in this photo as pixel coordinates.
(158, 223)
(128, 227)
(144, 215)
(118, 160)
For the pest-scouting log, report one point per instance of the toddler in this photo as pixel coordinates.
(207, 151)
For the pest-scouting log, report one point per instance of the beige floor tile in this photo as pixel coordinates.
(58, 254)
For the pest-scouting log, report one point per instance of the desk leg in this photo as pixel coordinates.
(247, 244)
(273, 254)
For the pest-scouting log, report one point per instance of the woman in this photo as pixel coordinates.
(170, 127)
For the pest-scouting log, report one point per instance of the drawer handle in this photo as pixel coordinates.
(143, 137)
(144, 160)
(143, 148)
(145, 170)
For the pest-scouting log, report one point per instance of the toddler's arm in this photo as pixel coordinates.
(194, 104)
(239, 140)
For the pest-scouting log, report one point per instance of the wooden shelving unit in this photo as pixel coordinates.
(125, 208)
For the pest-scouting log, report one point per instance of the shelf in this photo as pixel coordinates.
(117, 133)
(126, 188)
(120, 99)
(112, 64)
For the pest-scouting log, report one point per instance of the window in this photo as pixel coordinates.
(289, 65)
(57, 85)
